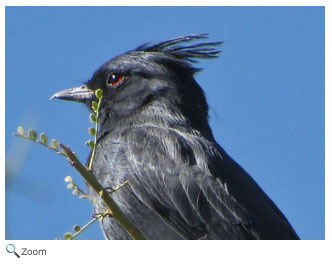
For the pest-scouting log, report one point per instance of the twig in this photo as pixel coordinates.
(93, 182)
(84, 227)
(99, 95)
(41, 143)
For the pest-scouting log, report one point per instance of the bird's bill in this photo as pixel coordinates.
(77, 94)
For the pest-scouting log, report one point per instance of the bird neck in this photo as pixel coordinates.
(156, 114)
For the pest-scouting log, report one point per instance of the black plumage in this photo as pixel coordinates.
(154, 132)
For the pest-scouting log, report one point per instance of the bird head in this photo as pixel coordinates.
(150, 83)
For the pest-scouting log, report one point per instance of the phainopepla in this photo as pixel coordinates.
(154, 132)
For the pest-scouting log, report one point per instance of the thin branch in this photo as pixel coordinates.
(84, 227)
(98, 94)
(93, 182)
(41, 143)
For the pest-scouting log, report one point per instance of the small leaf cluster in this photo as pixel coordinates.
(76, 190)
(70, 235)
(94, 118)
(78, 230)
(43, 139)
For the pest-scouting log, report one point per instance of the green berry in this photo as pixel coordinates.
(43, 138)
(55, 144)
(90, 144)
(92, 131)
(21, 131)
(68, 235)
(93, 118)
(99, 93)
(32, 134)
(76, 228)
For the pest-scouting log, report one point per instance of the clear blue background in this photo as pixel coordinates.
(266, 94)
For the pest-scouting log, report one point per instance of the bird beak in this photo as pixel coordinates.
(78, 94)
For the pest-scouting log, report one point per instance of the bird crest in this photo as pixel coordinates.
(204, 50)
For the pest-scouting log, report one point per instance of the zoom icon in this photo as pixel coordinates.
(11, 249)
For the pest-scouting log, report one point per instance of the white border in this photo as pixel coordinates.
(175, 251)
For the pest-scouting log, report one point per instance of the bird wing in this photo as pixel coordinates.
(169, 177)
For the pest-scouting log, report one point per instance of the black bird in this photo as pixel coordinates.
(154, 132)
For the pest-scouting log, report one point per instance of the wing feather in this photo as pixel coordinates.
(196, 201)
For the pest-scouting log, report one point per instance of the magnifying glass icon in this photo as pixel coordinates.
(11, 249)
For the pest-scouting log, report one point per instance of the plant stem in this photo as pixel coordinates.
(95, 137)
(85, 227)
(41, 143)
(93, 182)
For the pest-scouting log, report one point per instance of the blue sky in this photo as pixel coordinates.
(266, 94)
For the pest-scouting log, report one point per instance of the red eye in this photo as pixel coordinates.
(114, 79)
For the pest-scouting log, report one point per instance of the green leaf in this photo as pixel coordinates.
(93, 118)
(90, 144)
(54, 143)
(21, 131)
(76, 228)
(43, 138)
(68, 235)
(99, 93)
(94, 106)
(32, 134)
(92, 131)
